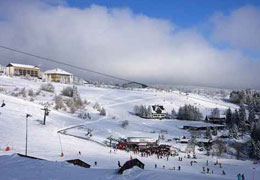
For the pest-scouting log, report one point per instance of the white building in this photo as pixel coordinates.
(14, 69)
(57, 75)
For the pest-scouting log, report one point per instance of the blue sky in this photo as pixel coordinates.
(184, 13)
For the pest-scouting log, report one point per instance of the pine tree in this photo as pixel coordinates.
(234, 131)
(229, 117)
(251, 116)
(242, 118)
(256, 149)
(189, 112)
(255, 135)
(173, 113)
(235, 118)
(215, 113)
(206, 119)
(137, 110)
(149, 112)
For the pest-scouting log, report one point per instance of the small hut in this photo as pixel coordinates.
(130, 164)
(78, 162)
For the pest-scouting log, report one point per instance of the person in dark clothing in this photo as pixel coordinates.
(223, 172)
(95, 163)
(243, 177)
(119, 165)
(79, 153)
(155, 166)
(207, 170)
(179, 168)
(3, 104)
(203, 169)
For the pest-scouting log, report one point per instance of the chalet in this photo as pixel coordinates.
(14, 69)
(202, 127)
(214, 120)
(57, 75)
(134, 85)
(199, 141)
(157, 112)
(137, 143)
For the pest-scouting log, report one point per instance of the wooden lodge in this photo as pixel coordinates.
(213, 120)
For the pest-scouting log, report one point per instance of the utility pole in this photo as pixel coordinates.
(46, 113)
(26, 133)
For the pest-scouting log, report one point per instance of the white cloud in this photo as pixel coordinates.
(118, 42)
(240, 27)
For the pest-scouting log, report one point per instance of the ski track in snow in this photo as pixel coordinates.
(43, 141)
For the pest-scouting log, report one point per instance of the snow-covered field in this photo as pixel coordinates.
(43, 141)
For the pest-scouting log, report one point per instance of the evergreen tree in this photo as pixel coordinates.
(242, 118)
(206, 119)
(256, 149)
(215, 113)
(234, 131)
(173, 113)
(251, 116)
(189, 112)
(255, 135)
(149, 112)
(235, 118)
(229, 117)
(136, 110)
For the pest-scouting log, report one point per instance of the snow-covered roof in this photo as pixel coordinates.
(157, 109)
(199, 140)
(22, 65)
(203, 140)
(140, 139)
(202, 124)
(57, 71)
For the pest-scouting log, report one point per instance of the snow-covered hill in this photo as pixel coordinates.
(43, 141)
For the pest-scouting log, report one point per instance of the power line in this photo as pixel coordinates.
(66, 64)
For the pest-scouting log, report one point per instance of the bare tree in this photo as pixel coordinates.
(219, 147)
